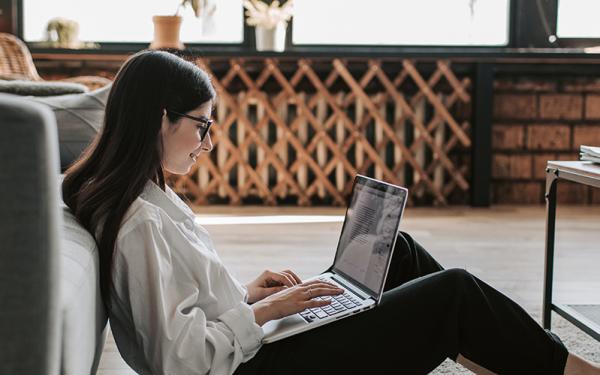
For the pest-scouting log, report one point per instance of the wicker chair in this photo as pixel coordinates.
(16, 63)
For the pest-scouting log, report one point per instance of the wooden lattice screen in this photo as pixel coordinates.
(297, 131)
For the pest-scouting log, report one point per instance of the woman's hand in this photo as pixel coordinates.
(293, 300)
(270, 282)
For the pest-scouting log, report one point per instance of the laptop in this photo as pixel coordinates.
(361, 261)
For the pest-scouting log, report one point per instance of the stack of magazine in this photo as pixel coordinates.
(589, 153)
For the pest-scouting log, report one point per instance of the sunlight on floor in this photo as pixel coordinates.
(268, 219)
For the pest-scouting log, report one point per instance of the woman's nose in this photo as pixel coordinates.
(206, 145)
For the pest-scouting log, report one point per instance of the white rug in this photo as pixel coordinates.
(574, 339)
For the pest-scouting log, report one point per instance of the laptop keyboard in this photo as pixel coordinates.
(339, 304)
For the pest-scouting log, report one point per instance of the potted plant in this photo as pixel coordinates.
(167, 28)
(270, 22)
(64, 33)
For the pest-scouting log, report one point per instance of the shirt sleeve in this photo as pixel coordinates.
(172, 331)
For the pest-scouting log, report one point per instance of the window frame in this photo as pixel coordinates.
(118, 47)
(525, 30)
(248, 42)
(571, 42)
(534, 34)
(351, 47)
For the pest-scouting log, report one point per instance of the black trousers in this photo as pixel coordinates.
(427, 314)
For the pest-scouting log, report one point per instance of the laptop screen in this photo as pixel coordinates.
(369, 233)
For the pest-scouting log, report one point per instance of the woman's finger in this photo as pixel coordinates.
(318, 290)
(289, 276)
(281, 278)
(298, 280)
(313, 282)
(325, 291)
(319, 284)
(327, 286)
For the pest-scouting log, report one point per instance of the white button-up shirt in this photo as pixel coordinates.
(175, 308)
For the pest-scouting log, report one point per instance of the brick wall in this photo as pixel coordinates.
(537, 119)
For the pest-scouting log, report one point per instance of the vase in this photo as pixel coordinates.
(271, 39)
(166, 32)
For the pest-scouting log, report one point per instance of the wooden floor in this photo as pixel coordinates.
(503, 245)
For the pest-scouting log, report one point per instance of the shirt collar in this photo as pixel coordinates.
(168, 201)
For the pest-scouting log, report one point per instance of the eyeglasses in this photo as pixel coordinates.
(207, 123)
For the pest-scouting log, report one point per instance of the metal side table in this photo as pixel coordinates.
(586, 317)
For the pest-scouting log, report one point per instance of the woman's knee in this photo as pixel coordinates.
(405, 240)
(458, 274)
(458, 278)
(405, 245)
(404, 236)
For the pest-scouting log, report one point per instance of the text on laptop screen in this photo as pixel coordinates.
(369, 232)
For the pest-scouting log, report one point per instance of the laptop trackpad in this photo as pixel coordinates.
(282, 326)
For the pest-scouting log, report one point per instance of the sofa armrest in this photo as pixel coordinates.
(29, 239)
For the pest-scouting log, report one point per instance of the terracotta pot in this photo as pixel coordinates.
(166, 32)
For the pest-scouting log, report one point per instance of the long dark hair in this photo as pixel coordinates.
(127, 152)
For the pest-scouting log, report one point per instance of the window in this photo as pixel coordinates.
(578, 19)
(408, 22)
(130, 21)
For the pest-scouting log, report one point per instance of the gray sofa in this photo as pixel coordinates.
(51, 316)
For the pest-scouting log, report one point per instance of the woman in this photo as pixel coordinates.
(175, 309)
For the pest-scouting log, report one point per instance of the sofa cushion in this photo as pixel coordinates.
(24, 87)
(83, 315)
(78, 117)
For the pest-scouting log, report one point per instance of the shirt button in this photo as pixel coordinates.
(189, 225)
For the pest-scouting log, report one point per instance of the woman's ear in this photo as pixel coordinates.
(164, 125)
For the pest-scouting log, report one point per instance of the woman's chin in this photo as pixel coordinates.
(180, 171)
(186, 171)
